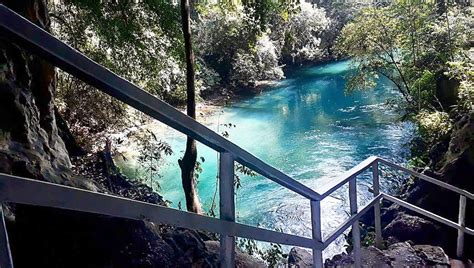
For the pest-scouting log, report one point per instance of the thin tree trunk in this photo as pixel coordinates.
(440, 6)
(188, 163)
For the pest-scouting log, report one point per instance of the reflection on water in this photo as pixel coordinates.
(309, 128)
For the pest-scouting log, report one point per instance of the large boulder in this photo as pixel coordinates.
(458, 162)
(396, 255)
(189, 248)
(403, 255)
(299, 257)
(447, 90)
(242, 259)
(371, 257)
(452, 161)
(432, 255)
(42, 237)
(408, 227)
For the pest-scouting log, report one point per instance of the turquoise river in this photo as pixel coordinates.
(310, 129)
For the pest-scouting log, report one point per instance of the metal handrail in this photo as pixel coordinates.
(428, 214)
(347, 223)
(427, 178)
(373, 162)
(346, 176)
(26, 191)
(32, 192)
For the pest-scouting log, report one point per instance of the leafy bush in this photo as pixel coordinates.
(303, 33)
(433, 125)
(261, 63)
(463, 71)
(89, 112)
(273, 255)
(245, 45)
(222, 32)
(140, 41)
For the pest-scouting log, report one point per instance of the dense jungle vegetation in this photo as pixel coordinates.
(418, 46)
(236, 45)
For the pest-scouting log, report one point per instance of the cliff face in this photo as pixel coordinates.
(456, 165)
(29, 142)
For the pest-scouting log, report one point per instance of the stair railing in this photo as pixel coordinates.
(38, 193)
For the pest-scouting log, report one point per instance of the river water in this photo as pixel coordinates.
(310, 129)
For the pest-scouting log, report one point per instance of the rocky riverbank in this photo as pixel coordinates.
(402, 254)
(452, 161)
(409, 238)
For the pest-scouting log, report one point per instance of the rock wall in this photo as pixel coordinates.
(30, 145)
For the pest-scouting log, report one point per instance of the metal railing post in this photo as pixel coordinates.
(377, 220)
(317, 235)
(6, 260)
(355, 225)
(461, 221)
(227, 207)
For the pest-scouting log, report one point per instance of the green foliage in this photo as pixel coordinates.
(246, 44)
(415, 45)
(371, 41)
(236, 44)
(264, 10)
(221, 32)
(140, 41)
(367, 234)
(151, 151)
(89, 112)
(242, 170)
(407, 42)
(424, 89)
(433, 125)
(416, 162)
(133, 39)
(249, 246)
(198, 168)
(261, 63)
(273, 255)
(463, 71)
(303, 34)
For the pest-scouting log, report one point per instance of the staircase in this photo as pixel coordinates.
(31, 192)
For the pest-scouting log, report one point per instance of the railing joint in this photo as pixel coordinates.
(355, 225)
(377, 216)
(316, 233)
(6, 260)
(227, 207)
(461, 222)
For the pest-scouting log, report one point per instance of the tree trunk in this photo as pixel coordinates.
(188, 163)
(440, 6)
